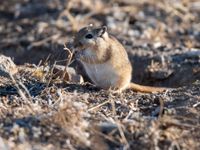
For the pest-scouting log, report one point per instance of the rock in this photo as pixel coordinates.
(161, 74)
(7, 66)
(70, 74)
(159, 71)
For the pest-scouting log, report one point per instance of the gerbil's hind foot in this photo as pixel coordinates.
(115, 90)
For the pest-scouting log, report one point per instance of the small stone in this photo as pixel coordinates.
(70, 74)
(7, 66)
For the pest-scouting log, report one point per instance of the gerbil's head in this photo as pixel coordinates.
(89, 36)
(90, 42)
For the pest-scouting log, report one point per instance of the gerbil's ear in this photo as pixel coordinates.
(102, 30)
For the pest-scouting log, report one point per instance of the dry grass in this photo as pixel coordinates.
(75, 118)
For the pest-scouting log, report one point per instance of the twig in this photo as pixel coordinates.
(113, 107)
(46, 60)
(68, 61)
(161, 101)
(196, 104)
(20, 92)
(51, 74)
(69, 58)
(106, 137)
(95, 107)
(121, 132)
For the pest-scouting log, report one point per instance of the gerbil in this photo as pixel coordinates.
(106, 61)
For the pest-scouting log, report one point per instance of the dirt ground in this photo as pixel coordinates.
(162, 38)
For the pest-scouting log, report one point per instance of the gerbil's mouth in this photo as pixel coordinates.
(78, 50)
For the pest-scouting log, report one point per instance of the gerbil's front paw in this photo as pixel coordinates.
(78, 55)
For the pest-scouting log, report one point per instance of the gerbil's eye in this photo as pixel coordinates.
(89, 36)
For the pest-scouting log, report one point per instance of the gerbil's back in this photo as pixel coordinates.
(119, 54)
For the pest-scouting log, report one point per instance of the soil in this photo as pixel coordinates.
(162, 39)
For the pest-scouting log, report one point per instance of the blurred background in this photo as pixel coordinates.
(152, 31)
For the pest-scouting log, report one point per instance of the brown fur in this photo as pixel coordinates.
(106, 61)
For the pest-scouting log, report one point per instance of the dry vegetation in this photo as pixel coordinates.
(38, 110)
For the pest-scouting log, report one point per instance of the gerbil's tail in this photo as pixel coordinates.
(145, 89)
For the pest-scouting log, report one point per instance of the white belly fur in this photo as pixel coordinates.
(103, 75)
